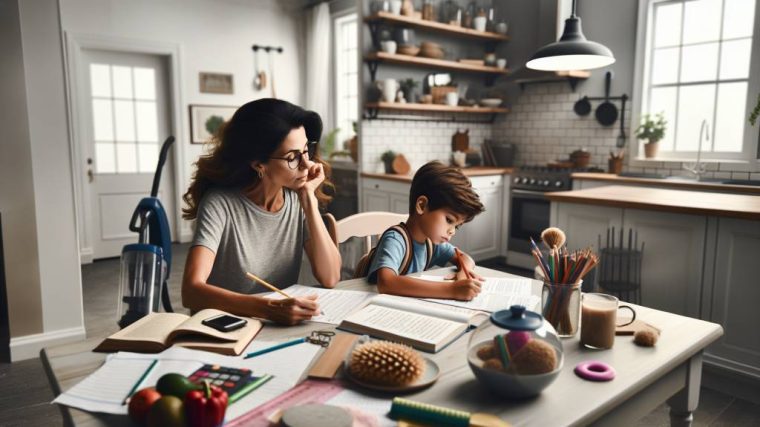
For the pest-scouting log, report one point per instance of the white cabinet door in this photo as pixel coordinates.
(583, 224)
(399, 203)
(671, 271)
(735, 296)
(375, 200)
(483, 234)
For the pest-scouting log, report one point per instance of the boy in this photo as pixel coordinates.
(440, 200)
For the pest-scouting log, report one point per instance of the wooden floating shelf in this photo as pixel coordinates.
(390, 18)
(533, 76)
(436, 108)
(396, 58)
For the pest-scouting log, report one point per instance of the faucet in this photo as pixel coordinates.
(699, 168)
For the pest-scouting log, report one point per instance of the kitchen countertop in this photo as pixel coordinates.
(661, 199)
(615, 179)
(471, 171)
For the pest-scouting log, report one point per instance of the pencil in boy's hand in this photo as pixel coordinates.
(271, 287)
(462, 266)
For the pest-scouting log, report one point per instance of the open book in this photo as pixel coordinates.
(421, 325)
(158, 331)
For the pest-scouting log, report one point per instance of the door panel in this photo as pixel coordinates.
(125, 105)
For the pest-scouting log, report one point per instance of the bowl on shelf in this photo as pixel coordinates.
(409, 50)
(491, 102)
(431, 50)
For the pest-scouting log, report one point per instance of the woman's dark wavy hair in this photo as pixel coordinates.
(255, 131)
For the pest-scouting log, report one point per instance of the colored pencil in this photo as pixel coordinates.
(248, 388)
(462, 266)
(139, 381)
(274, 347)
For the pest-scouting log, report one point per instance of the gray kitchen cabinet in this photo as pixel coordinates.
(385, 196)
(583, 224)
(671, 275)
(732, 292)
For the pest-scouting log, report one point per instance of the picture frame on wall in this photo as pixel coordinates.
(215, 83)
(205, 120)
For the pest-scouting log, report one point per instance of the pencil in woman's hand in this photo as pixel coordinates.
(267, 285)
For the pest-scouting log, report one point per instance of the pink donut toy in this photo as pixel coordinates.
(595, 371)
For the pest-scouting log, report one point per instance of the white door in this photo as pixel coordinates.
(126, 117)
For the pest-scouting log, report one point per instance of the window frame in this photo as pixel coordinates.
(747, 158)
(336, 20)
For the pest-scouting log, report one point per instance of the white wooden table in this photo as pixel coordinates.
(646, 377)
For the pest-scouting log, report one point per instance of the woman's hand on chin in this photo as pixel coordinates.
(291, 311)
(314, 178)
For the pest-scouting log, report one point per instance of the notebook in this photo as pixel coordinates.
(423, 326)
(158, 331)
(497, 293)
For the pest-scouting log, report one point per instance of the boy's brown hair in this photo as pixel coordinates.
(445, 187)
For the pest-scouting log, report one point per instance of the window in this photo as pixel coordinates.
(697, 57)
(346, 101)
(125, 119)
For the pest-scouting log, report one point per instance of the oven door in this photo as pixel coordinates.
(529, 216)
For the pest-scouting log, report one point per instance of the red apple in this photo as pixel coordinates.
(140, 403)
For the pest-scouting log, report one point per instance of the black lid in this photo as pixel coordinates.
(517, 318)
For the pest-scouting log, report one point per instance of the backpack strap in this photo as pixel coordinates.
(430, 248)
(362, 269)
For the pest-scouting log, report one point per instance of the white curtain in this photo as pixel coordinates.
(317, 67)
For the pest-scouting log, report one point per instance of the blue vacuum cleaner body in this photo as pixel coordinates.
(145, 266)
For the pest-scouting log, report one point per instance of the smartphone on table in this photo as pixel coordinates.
(224, 322)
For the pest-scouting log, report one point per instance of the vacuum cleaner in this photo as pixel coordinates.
(145, 266)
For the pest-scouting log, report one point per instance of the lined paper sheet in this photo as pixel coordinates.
(105, 389)
(335, 304)
(497, 293)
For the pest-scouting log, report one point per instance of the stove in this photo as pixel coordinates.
(530, 209)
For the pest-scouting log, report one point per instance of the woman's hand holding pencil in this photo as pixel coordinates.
(291, 310)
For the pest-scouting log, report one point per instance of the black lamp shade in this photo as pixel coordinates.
(571, 52)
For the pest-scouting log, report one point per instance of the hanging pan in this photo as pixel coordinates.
(582, 106)
(607, 112)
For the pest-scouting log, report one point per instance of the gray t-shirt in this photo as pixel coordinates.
(247, 238)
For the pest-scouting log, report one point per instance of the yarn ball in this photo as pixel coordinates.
(535, 357)
(386, 364)
(486, 352)
(516, 340)
(645, 337)
(494, 364)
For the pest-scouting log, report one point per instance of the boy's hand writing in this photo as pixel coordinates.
(465, 289)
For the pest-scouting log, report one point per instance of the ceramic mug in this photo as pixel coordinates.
(502, 28)
(388, 46)
(390, 88)
(396, 6)
(460, 158)
(452, 99)
(501, 63)
(479, 23)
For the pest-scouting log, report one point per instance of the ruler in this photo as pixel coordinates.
(309, 391)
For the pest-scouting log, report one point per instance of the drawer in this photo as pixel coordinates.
(385, 185)
(488, 181)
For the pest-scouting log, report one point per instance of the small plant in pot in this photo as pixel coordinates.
(387, 158)
(651, 130)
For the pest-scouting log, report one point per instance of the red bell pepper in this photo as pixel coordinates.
(206, 407)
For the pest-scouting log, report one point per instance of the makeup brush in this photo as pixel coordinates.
(553, 237)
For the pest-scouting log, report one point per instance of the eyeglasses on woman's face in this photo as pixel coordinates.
(295, 157)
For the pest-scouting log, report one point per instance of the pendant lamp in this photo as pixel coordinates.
(572, 51)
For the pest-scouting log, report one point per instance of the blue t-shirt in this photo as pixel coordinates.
(391, 250)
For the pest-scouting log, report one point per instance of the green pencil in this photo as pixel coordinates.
(137, 384)
(249, 388)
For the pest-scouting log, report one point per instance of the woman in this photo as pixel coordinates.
(255, 198)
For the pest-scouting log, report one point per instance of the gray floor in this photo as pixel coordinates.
(25, 393)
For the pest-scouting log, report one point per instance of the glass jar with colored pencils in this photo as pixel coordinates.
(563, 273)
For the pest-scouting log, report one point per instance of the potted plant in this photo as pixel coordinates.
(407, 87)
(387, 159)
(651, 130)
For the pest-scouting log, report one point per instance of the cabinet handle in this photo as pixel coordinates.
(377, 186)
